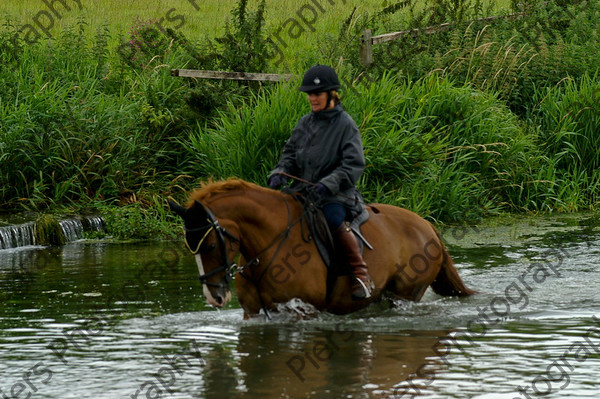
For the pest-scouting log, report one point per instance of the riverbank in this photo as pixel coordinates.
(481, 120)
(17, 230)
(513, 230)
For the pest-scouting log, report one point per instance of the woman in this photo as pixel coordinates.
(325, 148)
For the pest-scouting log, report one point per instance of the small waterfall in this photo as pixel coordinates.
(93, 223)
(21, 235)
(74, 229)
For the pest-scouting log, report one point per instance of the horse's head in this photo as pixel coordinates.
(214, 244)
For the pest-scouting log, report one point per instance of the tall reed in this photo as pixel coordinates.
(73, 126)
(569, 116)
(494, 131)
(443, 151)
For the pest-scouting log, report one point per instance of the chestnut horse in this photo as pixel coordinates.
(265, 227)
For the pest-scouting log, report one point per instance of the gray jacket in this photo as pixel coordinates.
(325, 147)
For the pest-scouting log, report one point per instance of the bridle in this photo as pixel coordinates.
(226, 266)
(231, 268)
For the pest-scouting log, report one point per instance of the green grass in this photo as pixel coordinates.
(208, 20)
(69, 122)
(569, 116)
(440, 150)
(498, 127)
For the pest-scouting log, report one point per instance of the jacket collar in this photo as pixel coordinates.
(328, 114)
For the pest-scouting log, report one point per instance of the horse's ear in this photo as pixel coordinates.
(175, 207)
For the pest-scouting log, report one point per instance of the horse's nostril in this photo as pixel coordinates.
(219, 300)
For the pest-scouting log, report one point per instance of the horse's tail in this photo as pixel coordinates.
(448, 282)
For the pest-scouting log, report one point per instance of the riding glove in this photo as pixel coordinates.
(276, 181)
(320, 189)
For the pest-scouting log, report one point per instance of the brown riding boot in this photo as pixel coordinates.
(361, 284)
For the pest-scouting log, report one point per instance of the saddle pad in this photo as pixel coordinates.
(362, 217)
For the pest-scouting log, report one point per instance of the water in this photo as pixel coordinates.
(16, 236)
(108, 320)
(22, 235)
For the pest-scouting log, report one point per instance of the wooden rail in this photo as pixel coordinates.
(368, 40)
(202, 74)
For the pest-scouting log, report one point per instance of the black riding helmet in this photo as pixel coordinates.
(320, 78)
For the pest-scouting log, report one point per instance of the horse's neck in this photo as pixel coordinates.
(260, 215)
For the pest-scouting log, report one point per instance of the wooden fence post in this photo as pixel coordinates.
(366, 49)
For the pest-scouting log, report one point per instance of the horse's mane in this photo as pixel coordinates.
(211, 189)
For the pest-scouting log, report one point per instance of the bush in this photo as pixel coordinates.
(79, 124)
(67, 134)
(440, 150)
(569, 117)
(512, 57)
(148, 43)
(135, 222)
(81, 121)
(444, 151)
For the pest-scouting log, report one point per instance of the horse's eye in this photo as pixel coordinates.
(208, 248)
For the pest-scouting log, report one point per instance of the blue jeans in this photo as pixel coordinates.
(335, 214)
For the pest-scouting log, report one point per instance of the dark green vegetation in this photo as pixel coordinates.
(476, 120)
(47, 231)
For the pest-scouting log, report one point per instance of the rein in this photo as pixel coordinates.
(281, 237)
(301, 180)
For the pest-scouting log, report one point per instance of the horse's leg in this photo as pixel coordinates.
(297, 271)
(247, 296)
(412, 272)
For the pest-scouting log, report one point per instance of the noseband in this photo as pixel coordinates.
(226, 266)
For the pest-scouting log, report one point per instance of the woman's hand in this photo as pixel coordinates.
(276, 181)
(321, 190)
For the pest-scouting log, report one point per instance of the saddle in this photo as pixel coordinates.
(318, 230)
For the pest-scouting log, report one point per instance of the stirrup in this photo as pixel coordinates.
(367, 291)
